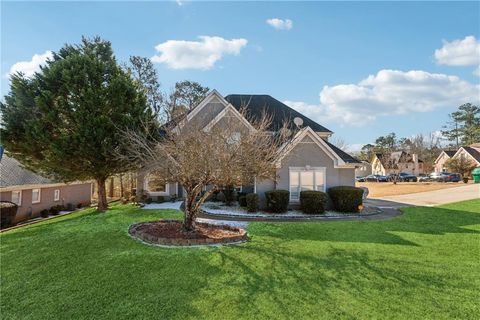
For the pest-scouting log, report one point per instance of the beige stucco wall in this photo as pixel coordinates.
(73, 193)
(307, 153)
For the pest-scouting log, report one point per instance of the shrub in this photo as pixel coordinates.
(8, 210)
(313, 202)
(148, 200)
(54, 210)
(79, 205)
(44, 213)
(241, 194)
(220, 196)
(252, 202)
(229, 193)
(160, 199)
(173, 197)
(242, 201)
(345, 198)
(277, 200)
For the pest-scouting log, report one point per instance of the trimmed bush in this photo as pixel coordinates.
(160, 199)
(242, 201)
(313, 202)
(345, 198)
(277, 200)
(229, 193)
(8, 210)
(44, 213)
(54, 210)
(252, 202)
(148, 200)
(220, 196)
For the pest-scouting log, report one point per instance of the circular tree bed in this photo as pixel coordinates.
(171, 233)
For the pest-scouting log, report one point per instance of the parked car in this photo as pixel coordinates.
(402, 177)
(441, 177)
(376, 178)
(360, 179)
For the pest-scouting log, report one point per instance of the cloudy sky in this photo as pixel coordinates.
(360, 69)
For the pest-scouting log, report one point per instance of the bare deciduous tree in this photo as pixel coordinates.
(460, 165)
(202, 160)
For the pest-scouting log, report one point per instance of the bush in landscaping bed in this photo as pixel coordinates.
(242, 201)
(252, 202)
(345, 198)
(54, 210)
(277, 200)
(229, 193)
(44, 213)
(313, 202)
(8, 210)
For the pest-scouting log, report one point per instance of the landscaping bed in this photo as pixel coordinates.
(171, 233)
(219, 209)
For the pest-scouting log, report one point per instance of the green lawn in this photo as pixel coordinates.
(422, 265)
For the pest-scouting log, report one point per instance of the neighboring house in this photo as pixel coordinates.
(307, 162)
(471, 153)
(364, 169)
(33, 193)
(439, 163)
(396, 162)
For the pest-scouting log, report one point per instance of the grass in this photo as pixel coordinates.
(422, 265)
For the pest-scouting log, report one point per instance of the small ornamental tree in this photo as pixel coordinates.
(197, 158)
(64, 120)
(460, 165)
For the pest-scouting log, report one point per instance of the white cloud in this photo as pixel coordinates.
(28, 68)
(202, 54)
(280, 24)
(464, 52)
(389, 92)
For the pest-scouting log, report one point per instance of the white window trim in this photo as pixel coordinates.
(313, 169)
(39, 195)
(19, 197)
(156, 193)
(55, 198)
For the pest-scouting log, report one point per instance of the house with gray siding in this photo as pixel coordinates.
(306, 162)
(33, 193)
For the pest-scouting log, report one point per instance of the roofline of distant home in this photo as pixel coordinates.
(40, 186)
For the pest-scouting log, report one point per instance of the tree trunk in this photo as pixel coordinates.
(121, 186)
(111, 188)
(190, 213)
(102, 195)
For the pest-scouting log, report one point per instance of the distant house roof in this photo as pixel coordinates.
(393, 158)
(12, 174)
(256, 105)
(474, 152)
(450, 153)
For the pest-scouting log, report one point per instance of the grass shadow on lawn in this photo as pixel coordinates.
(425, 220)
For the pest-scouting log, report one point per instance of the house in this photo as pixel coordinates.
(364, 169)
(308, 161)
(33, 193)
(396, 162)
(439, 163)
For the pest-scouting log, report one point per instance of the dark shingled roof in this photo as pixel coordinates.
(256, 105)
(474, 152)
(450, 153)
(12, 174)
(343, 155)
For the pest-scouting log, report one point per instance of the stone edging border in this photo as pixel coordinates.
(185, 243)
(380, 213)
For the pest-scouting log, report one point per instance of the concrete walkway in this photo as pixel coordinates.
(429, 198)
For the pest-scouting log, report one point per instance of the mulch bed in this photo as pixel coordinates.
(171, 233)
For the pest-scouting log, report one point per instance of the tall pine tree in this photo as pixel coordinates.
(65, 121)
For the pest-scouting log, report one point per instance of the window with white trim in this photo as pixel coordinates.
(306, 179)
(56, 195)
(35, 195)
(156, 183)
(17, 197)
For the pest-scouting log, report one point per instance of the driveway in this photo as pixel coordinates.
(429, 198)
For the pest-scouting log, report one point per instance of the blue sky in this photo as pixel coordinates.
(362, 69)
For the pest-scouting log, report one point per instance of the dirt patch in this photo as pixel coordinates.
(170, 232)
(383, 189)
